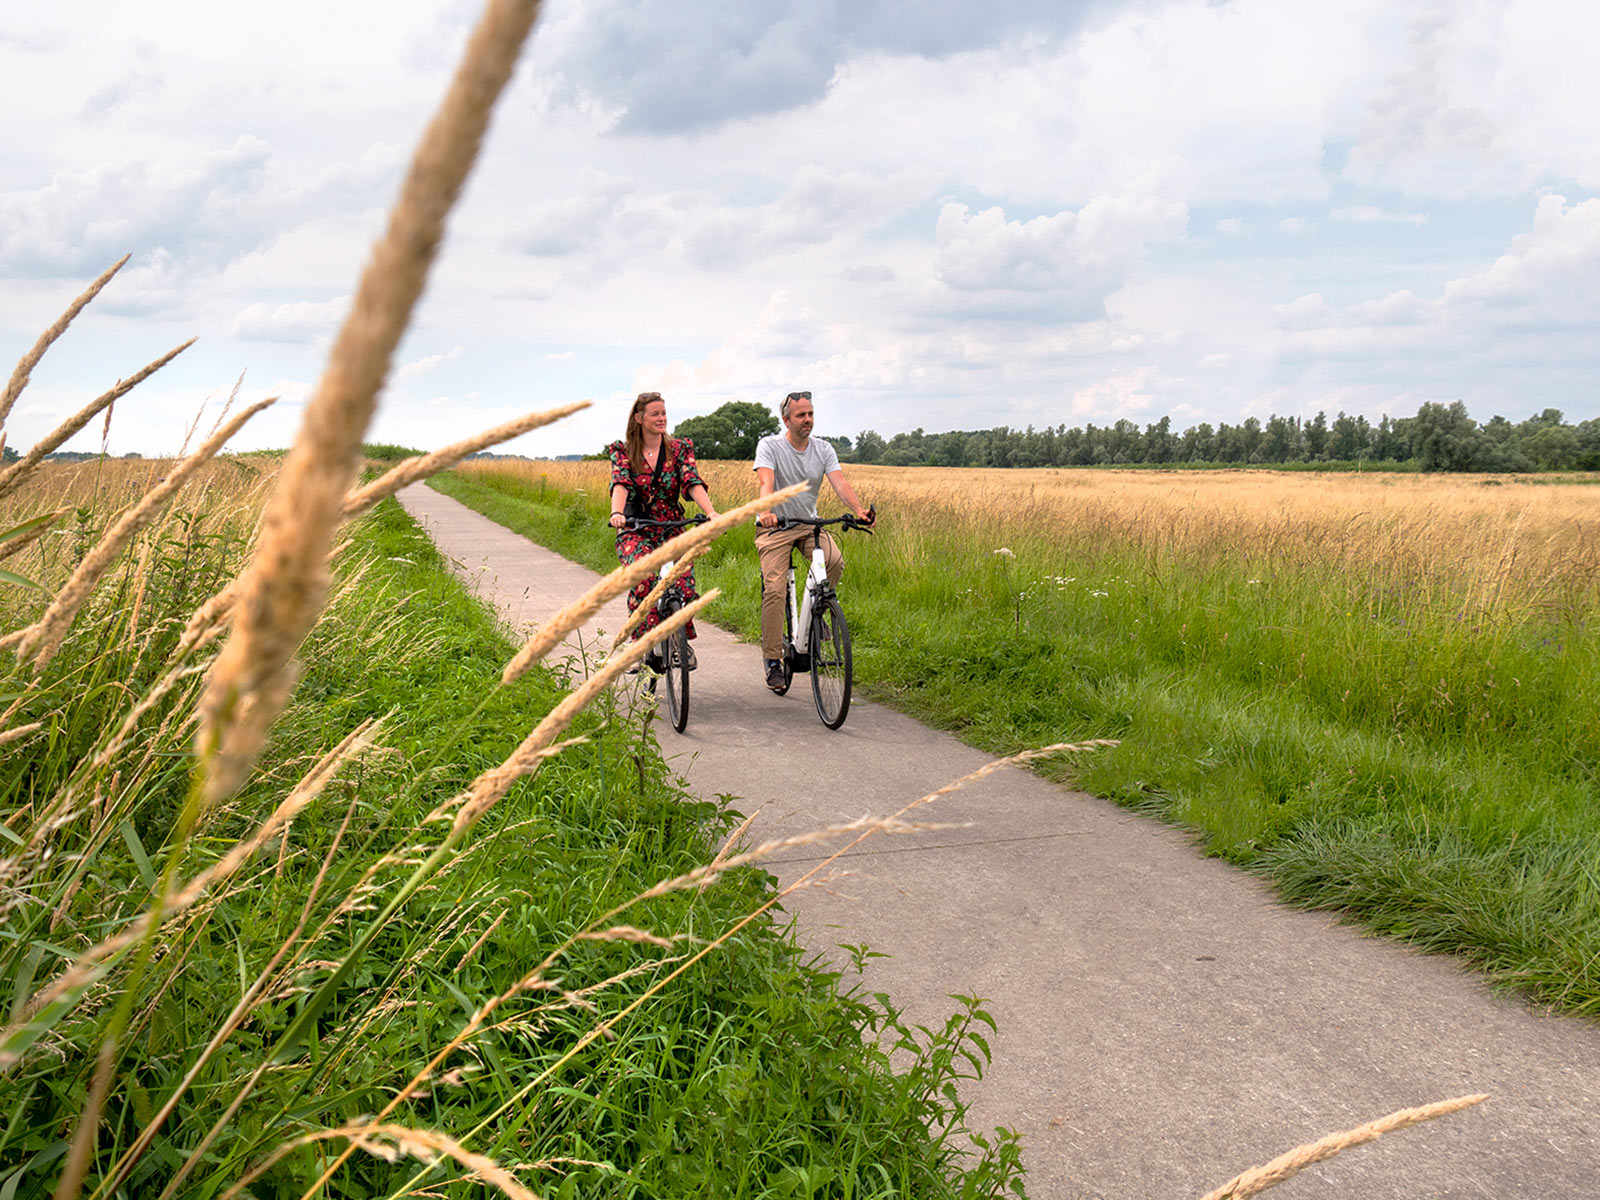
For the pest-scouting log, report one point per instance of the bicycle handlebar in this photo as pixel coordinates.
(847, 520)
(647, 523)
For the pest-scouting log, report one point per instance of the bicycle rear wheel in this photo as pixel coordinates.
(830, 663)
(675, 677)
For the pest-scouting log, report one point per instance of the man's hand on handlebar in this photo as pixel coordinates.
(767, 520)
(864, 522)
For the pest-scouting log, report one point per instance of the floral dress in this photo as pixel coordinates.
(663, 502)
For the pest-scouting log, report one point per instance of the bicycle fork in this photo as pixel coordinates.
(663, 602)
(800, 610)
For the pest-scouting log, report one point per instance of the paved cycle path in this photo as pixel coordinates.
(1164, 1024)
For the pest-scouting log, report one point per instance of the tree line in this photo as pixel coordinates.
(1440, 437)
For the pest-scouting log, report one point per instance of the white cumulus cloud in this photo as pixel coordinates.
(297, 321)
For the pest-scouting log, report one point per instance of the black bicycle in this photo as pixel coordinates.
(816, 637)
(669, 660)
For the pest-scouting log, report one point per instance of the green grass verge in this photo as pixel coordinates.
(1387, 754)
(752, 1074)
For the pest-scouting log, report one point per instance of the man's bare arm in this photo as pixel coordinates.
(845, 492)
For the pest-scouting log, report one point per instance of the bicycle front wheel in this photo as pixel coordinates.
(675, 677)
(830, 663)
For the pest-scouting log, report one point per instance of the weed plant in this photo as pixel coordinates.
(752, 1074)
(1376, 691)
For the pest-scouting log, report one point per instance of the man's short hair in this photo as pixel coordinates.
(788, 401)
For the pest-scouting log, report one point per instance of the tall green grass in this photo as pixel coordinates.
(751, 1074)
(1384, 744)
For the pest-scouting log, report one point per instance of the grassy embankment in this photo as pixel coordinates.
(1376, 691)
(748, 1074)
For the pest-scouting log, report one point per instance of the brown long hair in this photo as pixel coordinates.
(633, 440)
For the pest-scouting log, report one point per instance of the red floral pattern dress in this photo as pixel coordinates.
(662, 502)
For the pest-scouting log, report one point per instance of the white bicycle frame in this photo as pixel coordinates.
(800, 609)
(666, 569)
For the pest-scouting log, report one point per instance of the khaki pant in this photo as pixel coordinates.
(773, 547)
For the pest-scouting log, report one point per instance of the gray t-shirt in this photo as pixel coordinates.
(790, 467)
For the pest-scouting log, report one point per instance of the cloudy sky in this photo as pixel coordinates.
(931, 213)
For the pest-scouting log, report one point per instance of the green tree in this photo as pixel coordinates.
(1552, 447)
(1445, 438)
(906, 449)
(1391, 441)
(949, 451)
(869, 446)
(1199, 443)
(1588, 435)
(730, 431)
(1350, 439)
(1314, 434)
(1550, 418)
(1159, 444)
(1280, 441)
(1125, 442)
(709, 434)
(1499, 430)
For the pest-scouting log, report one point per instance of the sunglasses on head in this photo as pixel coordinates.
(648, 397)
(798, 396)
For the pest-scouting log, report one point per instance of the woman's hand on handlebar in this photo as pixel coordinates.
(617, 520)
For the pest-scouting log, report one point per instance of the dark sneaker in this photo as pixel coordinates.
(689, 654)
(775, 679)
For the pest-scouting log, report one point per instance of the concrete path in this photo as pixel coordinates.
(1163, 1023)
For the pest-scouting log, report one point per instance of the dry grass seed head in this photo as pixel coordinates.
(12, 477)
(12, 545)
(390, 1143)
(283, 589)
(21, 731)
(1259, 1179)
(42, 639)
(24, 369)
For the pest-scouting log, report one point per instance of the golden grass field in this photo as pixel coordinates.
(229, 491)
(1483, 542)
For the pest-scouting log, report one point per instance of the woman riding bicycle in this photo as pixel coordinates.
(650, 472)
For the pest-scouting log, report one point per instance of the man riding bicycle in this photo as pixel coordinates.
(782, 460)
